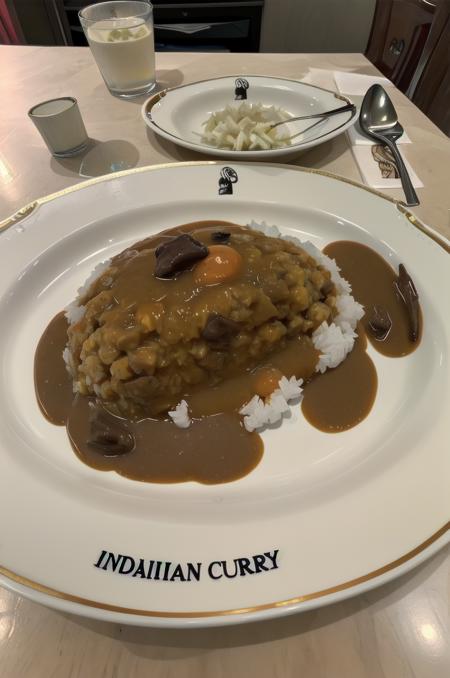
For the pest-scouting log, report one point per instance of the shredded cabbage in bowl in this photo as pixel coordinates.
(246, 128)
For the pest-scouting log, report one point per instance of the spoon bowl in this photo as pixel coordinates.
(377, 110)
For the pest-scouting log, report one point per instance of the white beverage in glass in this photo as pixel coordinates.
(122, 45)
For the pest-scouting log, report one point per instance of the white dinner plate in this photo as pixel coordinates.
(332, 515)
(177, 114)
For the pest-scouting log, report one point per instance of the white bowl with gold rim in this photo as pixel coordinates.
(178, 114)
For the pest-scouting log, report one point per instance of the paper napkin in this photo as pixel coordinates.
(378, 169)
(358, 83)
(319, 77)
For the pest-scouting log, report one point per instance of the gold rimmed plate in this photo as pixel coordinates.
(331, 515)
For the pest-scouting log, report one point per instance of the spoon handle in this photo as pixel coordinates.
(325, 114)
(408, 188)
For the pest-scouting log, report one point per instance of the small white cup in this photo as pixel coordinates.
(61, 126)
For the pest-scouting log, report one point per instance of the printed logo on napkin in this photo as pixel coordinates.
(383, 156)
(377, 168)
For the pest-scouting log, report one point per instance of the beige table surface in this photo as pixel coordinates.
(400, 630)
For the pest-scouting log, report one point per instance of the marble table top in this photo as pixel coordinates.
(400, 630)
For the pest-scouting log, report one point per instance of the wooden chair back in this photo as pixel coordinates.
(430, 86)
(399, 33)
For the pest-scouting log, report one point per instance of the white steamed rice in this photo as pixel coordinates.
(75, 311)
(258, 412)
(180, 416)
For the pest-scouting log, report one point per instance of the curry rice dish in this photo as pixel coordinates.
(225, 324)
(188, 308)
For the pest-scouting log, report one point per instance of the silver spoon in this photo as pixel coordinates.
(325, 114)
(378, 120)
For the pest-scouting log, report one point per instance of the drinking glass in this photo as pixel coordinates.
(120, 35)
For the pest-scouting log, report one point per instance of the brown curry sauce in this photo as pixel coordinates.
(216, 448)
